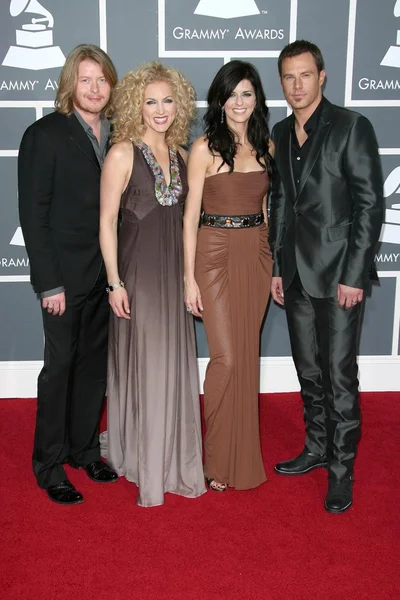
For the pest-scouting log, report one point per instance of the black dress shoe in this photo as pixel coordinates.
(340, 495)
(64, 493)
(97, 471)
(301, 464)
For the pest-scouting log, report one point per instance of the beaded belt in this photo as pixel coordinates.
(234, 221)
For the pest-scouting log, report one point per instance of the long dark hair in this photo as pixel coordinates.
(221, 139)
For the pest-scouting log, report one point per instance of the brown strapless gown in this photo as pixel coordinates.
(233, 271)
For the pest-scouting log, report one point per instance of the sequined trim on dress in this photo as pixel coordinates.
(167, 195)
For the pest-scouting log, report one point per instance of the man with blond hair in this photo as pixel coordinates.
(59, 169)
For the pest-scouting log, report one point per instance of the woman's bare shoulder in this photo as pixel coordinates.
(200, 145)
(121, 149)
(183, 153)
(200, 152)
(271, 147)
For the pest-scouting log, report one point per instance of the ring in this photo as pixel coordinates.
(354, 301)
(50, 307)
(189, 309)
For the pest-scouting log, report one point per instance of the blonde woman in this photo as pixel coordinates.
(154, 434)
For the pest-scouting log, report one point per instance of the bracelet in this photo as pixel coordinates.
(114, 286)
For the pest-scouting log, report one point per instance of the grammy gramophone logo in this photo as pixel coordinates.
(18, 238)
(226, 9)
(392, 56)
(34, 47)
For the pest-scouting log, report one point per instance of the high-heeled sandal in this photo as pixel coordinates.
(213, 483)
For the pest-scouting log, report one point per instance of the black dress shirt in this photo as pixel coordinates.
(300, 153)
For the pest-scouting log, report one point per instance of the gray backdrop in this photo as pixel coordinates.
(360, 40)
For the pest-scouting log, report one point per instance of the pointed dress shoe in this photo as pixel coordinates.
(340, 495)
(97, 471)
(305, 462)
(64, 493)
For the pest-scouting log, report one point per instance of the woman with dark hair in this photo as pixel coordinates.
(228, 268)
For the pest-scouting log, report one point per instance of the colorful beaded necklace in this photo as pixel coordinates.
(167, 195)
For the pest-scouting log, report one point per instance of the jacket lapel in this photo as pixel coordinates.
(109, 137)
(324, 126)
(78, 135)
(285, 167)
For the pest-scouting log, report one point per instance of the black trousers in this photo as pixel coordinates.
(324, 341)
(71, 385)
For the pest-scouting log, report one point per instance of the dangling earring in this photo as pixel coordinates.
(222, 114)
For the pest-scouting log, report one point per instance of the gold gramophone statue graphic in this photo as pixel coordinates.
(392, 56)
(34, 41)
(226, 9)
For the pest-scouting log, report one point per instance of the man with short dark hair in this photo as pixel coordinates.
(327, 209)
(59, 167)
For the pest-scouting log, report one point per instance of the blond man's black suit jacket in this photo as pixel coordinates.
(59, 187)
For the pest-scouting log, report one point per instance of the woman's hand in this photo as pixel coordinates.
(193, 301)
(119, 303)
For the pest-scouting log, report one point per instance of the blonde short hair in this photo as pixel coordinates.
(64, 101)
(129, 99)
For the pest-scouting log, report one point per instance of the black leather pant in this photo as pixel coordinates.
(71, 385)
(324, 341)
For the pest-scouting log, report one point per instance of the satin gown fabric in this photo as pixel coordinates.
(154, 431)
(324, 346)
(233, 271)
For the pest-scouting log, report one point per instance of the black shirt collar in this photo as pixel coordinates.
(312, 123)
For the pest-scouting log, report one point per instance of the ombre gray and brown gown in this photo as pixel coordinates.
(233, 271)
(154, 432)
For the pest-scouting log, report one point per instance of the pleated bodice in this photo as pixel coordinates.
(236, 193)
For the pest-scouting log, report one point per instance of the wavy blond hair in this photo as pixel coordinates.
(64, 101)
(129, 99)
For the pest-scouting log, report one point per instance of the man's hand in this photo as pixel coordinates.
(277, 290)
(55, 304)
(349, 296)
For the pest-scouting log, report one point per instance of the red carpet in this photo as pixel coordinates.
(273, 543)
